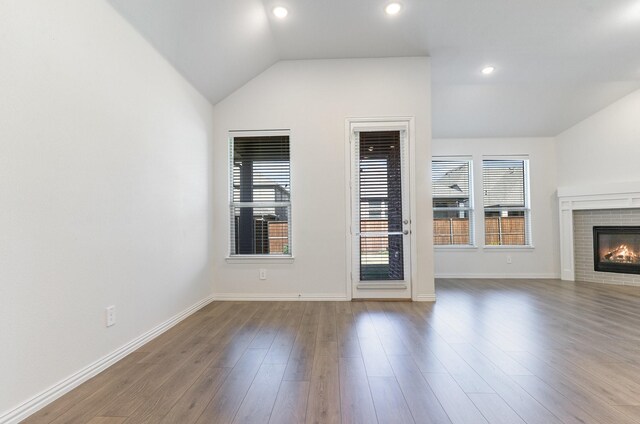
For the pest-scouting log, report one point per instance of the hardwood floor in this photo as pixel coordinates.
(489, 351)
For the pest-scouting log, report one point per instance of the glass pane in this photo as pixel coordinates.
(504, 183)
(505, 228)
(451, 189)
(450, 180)
(261, 169)
(451, 227)
(261, 231)
(619, 248)
(381, 257)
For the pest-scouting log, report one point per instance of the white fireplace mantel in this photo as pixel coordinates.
(601, 196)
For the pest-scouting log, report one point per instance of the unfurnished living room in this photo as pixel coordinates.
(320, 211)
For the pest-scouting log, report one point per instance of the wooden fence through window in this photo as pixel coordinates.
(499, 231)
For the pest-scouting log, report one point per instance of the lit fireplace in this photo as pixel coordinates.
(617, 249)
(620, 255)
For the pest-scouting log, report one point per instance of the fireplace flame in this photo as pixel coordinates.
(623, 254)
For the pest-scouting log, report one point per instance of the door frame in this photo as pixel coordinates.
(393, 123)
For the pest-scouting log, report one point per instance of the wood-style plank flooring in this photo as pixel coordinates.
(489, 351)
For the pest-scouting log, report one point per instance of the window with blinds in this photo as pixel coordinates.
(453, 222)
(260, 207)
(506, 202)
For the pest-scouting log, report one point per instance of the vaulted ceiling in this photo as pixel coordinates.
(557, 61)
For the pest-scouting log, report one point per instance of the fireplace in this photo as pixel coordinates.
(616, 249)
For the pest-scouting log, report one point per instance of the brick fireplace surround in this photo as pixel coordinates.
(580, 210)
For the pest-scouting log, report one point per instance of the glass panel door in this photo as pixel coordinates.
(381, 220)
(381, 249)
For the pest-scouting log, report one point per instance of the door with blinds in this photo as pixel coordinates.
(381, 223)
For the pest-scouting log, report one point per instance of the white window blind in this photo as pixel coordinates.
(260, 206)
(506, 202)
(453, 219)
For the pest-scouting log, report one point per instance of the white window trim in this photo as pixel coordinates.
(453, 247)
(509, 247)
(527, 208)
(471, 209)
(258, 258)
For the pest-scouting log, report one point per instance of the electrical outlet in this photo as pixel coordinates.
(509, 261)
(110, 315)
(263, 274)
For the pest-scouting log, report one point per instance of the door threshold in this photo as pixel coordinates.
(377, 299)
(382, 286)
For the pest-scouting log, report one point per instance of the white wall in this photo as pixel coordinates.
(313, 99)
(604, 148)
(104, 187)
(540, 262)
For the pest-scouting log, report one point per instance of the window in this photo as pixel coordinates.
(452, 202)
(260, 206)
(506, 202)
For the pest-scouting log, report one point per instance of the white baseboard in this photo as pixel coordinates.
(41, 400)
(280, 297)
(502, 276)
(426, 298)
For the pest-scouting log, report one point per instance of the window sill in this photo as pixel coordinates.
(255, 259)
(502, 248)
(445, 247)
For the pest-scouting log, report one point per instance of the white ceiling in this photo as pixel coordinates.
(557, 61)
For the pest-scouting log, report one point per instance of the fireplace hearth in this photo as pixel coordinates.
(616, 249)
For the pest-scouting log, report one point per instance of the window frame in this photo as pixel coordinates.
(257, 258)
(526, 209)
(470, 209)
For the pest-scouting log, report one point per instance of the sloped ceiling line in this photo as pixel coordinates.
(557, 62)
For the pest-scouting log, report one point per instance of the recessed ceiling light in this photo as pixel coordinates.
(488, 70)
(393, 8)
(280, 12)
